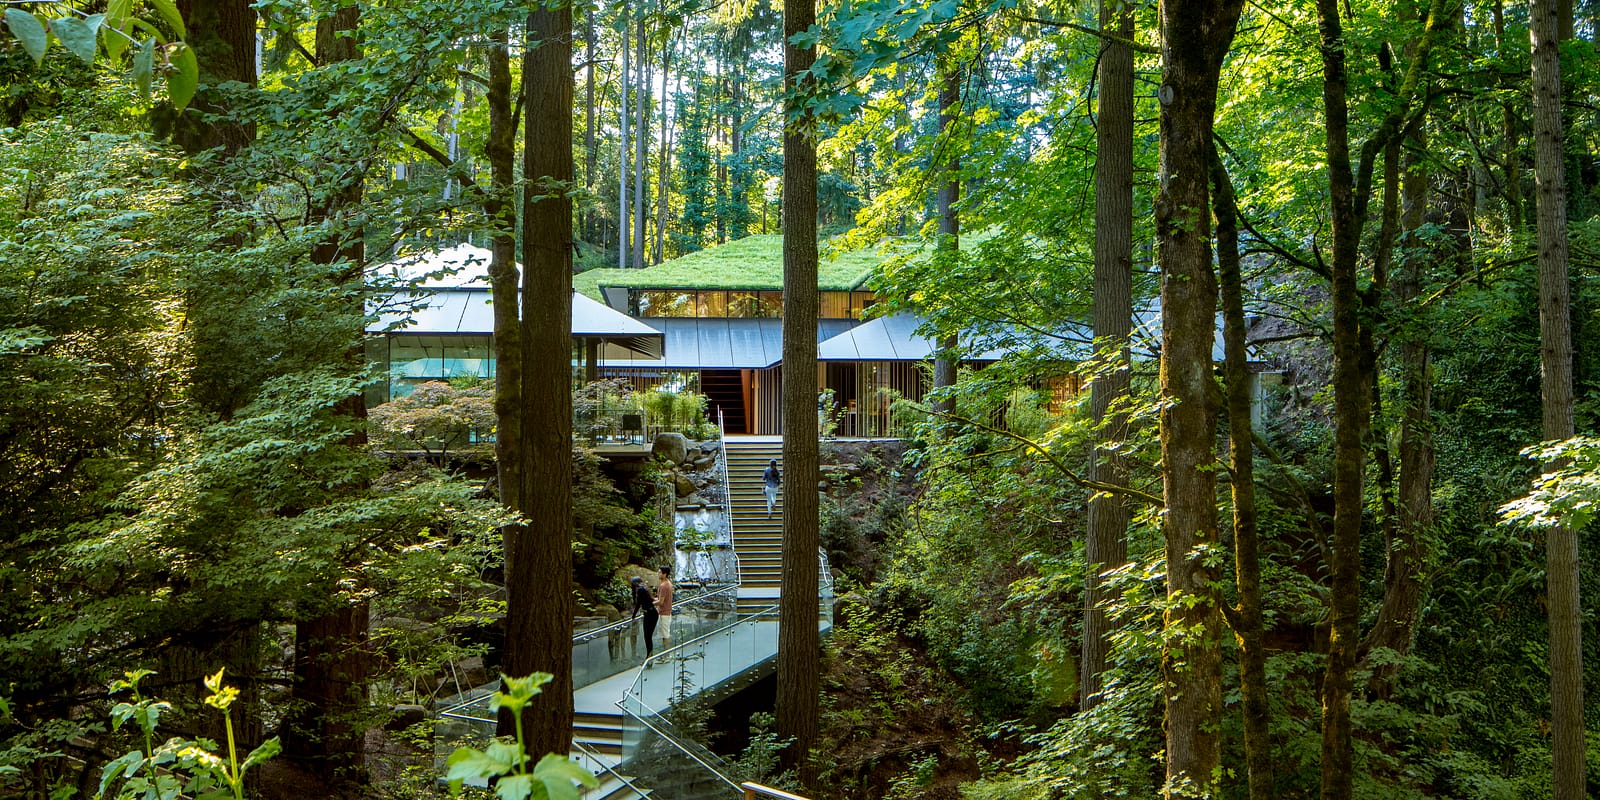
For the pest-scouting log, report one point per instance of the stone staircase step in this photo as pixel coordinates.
(613, 788)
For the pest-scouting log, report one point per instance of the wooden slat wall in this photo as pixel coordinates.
(766, 412)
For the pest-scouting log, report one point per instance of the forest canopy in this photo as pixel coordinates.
(1316, 518)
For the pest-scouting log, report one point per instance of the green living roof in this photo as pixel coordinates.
(754, 262)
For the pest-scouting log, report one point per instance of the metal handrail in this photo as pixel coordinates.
(727, 491)
(594, 756)
(751, 790)
(676, 741)
(632, 694)
(758, 614)
(623, 623)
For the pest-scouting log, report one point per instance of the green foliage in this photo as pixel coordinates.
(609, 534)
(554, 777)
(754, 262)
(178, 767)
(1568, 494)
(694, 163)
(760, 761)
(84, 35)
(437, 418)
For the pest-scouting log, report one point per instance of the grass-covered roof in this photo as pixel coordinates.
(754, 262)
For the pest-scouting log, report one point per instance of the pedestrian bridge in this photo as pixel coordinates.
(629, 710)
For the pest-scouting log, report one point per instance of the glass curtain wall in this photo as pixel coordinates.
(741, 303)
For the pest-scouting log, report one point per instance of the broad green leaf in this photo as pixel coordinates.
(559, 774)
(466, 763)
(168, 9)
(128, 765)
(130, 680)
(267, 750)
(76, 35)
(514, 787)
(184, 79)
(144, 64)
(28, 30)
(116, 27)
(121, 713)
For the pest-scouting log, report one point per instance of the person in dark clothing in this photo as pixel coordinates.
(644, 604)
(771, 480)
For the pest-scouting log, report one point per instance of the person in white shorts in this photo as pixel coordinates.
(664, 606)
(771, 480)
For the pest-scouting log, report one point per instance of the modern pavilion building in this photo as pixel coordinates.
(709, 321)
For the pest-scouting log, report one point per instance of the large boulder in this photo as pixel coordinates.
(672, 448)
(683, 485)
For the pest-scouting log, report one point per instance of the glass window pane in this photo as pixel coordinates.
(772, 304)
(712, 304)
(744, 304)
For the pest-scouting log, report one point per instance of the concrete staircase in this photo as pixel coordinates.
(601, 733)
(757, 540)
(613, 788)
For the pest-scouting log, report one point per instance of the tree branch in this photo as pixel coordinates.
(1102, 35)
(439, 156)
(1056, 462)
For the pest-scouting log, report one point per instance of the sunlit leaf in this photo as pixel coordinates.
(29, 31)
(77, 35)
(184, 79)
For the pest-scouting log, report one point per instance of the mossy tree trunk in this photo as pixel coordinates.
(1196, 35)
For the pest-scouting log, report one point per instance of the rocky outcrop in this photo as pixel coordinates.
(672, 448)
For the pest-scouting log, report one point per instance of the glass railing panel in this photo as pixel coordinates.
(619, 647)
(665, 756)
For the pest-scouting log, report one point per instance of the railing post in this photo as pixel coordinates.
(752, 790)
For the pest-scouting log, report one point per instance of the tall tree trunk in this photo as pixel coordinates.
(590, 153)
(664, 159)
(720, 135)
(539, 603)
(1351, 404)
(1352, 373)
(1196, 35)
(331, 659)
(949, 76)
(641, 141)
(624, 86)
(1555, 362)
(798, 641)
(1412, 515)
(1249, 627)
(223, 35)
(1105, 543)
(500, 207)
(739, 179)
(1512, 174)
